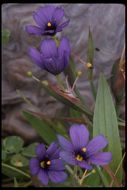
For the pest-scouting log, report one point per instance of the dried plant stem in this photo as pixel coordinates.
(83, 177)
(117, 170)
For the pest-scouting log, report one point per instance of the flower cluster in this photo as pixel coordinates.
(50, 57)
(49, 163)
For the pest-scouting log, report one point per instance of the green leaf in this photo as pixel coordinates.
(47, 134)
(103, 178)
(105, 122)
(5, 36)
(59, 128)
(4, 155)
(19, 160)
(15, 182)
(74, 113)
(12, 172)
(92, 180)
(90, 57)
(13, 144)
(90, 48)
(73, 102)
(29, 151)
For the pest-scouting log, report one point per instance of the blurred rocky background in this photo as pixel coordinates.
(107, 23)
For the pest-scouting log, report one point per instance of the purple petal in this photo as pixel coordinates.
(85, 165)
(65, 59)
(61, 26)
(48, 48)
(34, 30)
(45, 13)
(57, 176)
(68, 157)
(34, 166)
(40, 151)
(64, 47)
(36, 56)
(56, 165)
(79, 136)
(43, 177)
(53, 151)
(51, 65)
(58, 15)
(41, 21)
(101, 158)
(96, 144)
(65, 144)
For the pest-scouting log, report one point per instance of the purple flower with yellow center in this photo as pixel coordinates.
(47, 165)
(80, 151)
(49, 20)
(51, 57)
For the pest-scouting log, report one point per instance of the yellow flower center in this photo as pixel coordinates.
(84, 149)
(79, 157)
(48, 162)
(45, 164)
(49, 24)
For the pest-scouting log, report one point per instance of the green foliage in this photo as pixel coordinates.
(90, 48)
(5, 36)
(13, 144)
(12, 172)
(19, 161)
(43, 130)
(105, 122)
(29, 151)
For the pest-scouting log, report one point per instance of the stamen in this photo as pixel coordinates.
(49, 24)
(79, 157)
(89, 65)
(42, 164)
(48, 162)
(84, 149)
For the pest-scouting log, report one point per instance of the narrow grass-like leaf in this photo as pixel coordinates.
(103, 178)
(15, 182)
(105, 122)
(12, 172)
(73, 102)
(43, 130)
(90, 48)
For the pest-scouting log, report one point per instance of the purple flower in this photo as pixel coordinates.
(49, 19)
(47, 164)
(50, 57)
(81, 152)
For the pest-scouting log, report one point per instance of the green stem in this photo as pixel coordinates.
(72, 173)
(103, 178)
(27, 184)
(93, 89)
(60, 82)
